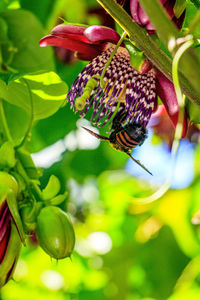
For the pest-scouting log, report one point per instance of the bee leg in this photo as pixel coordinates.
(138, 162)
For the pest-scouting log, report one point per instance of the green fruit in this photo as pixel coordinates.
(55, 232)
(7, 183)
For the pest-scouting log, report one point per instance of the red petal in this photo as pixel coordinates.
(97, 33)
(166, 92)
(4, 244)
(159, 112)
(85, 56)
(67, 43)
(65, 29)
(144, 19)
(134, 8)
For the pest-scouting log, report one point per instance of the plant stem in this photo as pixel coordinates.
(112, 54)
(4, 122)
(191, 78)
(31, 116)
(180, 97)
(179, 127)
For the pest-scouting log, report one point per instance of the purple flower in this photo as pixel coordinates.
(124, 88)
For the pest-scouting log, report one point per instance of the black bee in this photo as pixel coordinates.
(124, 137)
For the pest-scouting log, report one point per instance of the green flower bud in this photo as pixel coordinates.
(29, 216)
(28, 163)
(55, 232)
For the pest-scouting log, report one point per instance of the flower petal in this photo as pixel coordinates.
(134, 7)
(71, 44)
(166, 92)
(65, 29)
(97, 33)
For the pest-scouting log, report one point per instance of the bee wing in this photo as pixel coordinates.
(98, 136)
(138, 162)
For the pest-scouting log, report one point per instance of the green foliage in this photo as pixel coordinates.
(179, 7)
(193, 112)
(39, 95)
(19, 43)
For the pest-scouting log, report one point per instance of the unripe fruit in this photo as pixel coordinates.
(55, 232)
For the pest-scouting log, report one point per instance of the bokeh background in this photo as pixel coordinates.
(125, 249)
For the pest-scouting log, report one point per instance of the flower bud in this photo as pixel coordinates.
(10, 245)
(28, 215)
(55, 232)
(8, 192)
(142, 19)
(7, 182)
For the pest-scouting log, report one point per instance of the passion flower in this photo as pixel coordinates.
(125, 88)
(55, 232)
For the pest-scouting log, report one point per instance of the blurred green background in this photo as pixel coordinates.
(125, 250)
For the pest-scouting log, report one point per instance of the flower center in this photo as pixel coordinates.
(135, 92)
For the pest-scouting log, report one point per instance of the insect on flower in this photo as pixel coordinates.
(124, 137)
(109, 89)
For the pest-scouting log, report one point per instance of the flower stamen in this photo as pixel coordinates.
(135, 92)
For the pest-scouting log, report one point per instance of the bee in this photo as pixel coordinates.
(124, 137)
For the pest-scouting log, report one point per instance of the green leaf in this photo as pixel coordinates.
(193, 112)
(9, 76)
(45, 92)
(191, 12)
(5, 3)
(196, 3)
(59, 124)
(17, 125)
(179, 7)
(24, 32)
(43, 13)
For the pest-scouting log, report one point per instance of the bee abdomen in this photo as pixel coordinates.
(125, 140)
